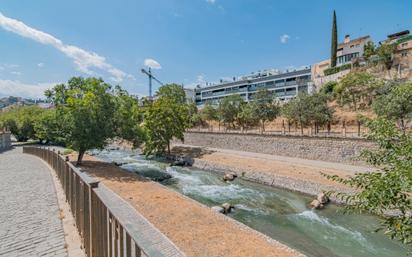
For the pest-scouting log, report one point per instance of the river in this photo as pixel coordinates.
(280, 214)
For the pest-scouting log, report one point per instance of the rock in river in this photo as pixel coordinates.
(218, 209)
(227, 207)
(323, 198)
(229, 176)
(316, 204)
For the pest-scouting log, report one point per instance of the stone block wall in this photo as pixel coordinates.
(342, 150)
(5, 141)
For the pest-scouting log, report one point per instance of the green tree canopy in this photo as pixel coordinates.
(229, 108)
(395, 105)
(87, 108)
(308, 109)
(369, 50)
(20, 120)
(334, 41)
(357, 87)
(385, 52)
(246, 117)
(173, 92)
(265, 107)
(389, 187)
(128, 117)
(165, 118)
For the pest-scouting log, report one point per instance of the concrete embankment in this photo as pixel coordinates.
(340, 150)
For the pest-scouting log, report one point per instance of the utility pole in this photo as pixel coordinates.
(150, 75)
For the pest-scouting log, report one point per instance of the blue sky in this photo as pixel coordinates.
(193, 41)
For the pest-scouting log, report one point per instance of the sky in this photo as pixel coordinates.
(188, 42)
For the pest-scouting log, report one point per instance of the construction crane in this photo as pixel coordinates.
(150, 75)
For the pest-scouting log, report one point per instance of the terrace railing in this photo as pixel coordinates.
(107, 225)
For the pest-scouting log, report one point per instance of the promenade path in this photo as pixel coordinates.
(30, 222)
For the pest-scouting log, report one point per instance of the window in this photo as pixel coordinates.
(404, 54)
(404, 44)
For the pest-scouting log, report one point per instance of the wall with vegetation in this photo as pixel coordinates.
(327, 149)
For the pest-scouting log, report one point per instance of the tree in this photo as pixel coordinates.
(385, 52)
(396, 105)
(20, 121)
(173, 92)
(165, 118)
(356, 87)
(128, 117)
(308, 110)
(229, 108)
(87, 108)
(246, 117)
(209, 113)
(48, 128)
(334, 47)
(265, 107)
(328, 88)
(387, 189)
(369, 50)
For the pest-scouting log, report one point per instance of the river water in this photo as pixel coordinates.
(280, 214)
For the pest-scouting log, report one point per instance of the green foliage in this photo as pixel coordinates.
(209, 113)
(87, 108)
(334, 41)
(48, 128)
(308, 109)
(395, 105)
(328, 88)
(247, 118)
(165, 118)
(128, 117)
(369, 50)
(389, 187)
(265, 107)
(385, 52)
(21, 121)
(333, 70)
(229, 108)
(357, 87)
(174, 92)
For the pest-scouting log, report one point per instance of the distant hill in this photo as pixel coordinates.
(13, 100)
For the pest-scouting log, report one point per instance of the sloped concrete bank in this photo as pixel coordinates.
(341, 150)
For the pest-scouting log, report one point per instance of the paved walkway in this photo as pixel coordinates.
(29, 212)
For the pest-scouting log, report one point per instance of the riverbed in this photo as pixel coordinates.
(277, 213)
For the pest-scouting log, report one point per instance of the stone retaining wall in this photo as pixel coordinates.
(5, 141)
(343, 150)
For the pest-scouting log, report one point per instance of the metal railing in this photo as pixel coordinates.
(107, 225)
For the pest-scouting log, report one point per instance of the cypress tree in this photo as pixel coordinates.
(334, 46)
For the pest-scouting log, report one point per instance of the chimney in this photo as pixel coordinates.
(347, 39)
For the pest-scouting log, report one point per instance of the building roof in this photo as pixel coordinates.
(354, 41)
(398, 34)
(405, 39)
(306, 71)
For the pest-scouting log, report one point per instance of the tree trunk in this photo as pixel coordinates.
(403, 125)
(263, 126)
(354, 102)
(80, 157)
(168, 147)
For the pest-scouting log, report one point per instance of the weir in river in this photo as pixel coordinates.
(280, 214)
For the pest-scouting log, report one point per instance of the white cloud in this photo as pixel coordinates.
(40, 65)
(85, 61)
(211, 1)
(17, 88)
(152, 64)
(18, 73)
(284, 38)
